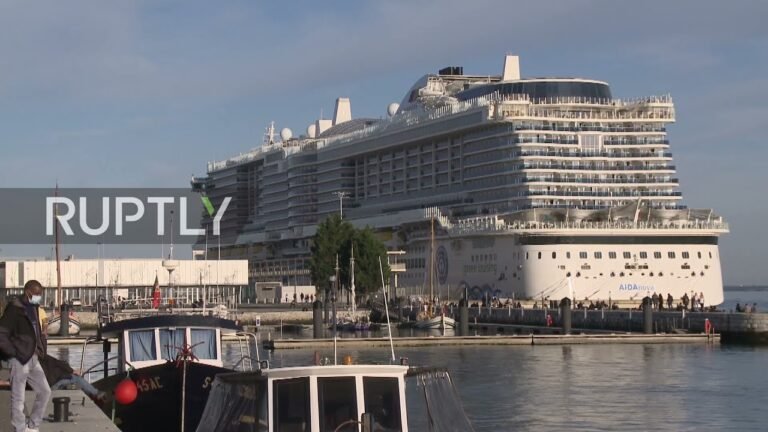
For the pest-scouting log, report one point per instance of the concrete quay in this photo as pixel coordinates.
(734, 327)
(532, 339)
(84, 415)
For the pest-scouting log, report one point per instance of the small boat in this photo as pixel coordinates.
(54, 325)
(441, 322)
(341, 398)
(169, 361)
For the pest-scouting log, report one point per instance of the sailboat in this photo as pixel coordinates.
(54, 322)
(434, 317)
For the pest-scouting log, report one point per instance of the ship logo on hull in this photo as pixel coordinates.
(442, 264)
(636, 287)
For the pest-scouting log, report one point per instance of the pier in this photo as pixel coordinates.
(531, 339)
(84, 415)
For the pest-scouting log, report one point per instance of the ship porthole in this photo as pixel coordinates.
(568, 274)
(578, 274)
(613, 274)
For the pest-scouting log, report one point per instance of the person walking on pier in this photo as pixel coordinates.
(23, 342)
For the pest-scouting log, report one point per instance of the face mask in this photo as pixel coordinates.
(36, 299)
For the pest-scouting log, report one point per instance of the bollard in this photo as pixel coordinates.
(60, 409)
(565, 315)
(317, 319)
(64, 328)
(647, 315)
(463, 318)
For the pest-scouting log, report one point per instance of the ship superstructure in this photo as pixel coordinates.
(539, 187)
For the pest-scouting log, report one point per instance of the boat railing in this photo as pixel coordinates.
(244, 342)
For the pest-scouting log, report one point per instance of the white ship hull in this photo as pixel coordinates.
(501, 266)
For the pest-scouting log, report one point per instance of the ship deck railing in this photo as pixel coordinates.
(588, 225)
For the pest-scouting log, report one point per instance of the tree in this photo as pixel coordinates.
(334, 238)
(368, 250)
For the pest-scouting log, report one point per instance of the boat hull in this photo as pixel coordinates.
(441, 322)
(159, 400)
(54, 326)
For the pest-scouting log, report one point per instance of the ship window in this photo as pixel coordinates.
(613, 274)
(599, 255)
(568, 274)
(661, 274)
(526, 255)
(671, 254)
(142, 345)
(686, 255)
(612, 255)
(693, 274)
(627, 255)
(338, 403)
(578, 274)
(539, 255)
(171, 342)
(554, 255)
(583, 255)
(291, 405)
(621, 274)
(657, 255)
(568, 255)
(699, 254)
(643, 255)
(203, 343)
(382, 399)
(650, 274)
(710, 255)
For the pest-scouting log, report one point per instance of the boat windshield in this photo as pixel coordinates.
(239, 402)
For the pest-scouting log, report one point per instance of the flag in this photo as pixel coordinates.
(156, 294)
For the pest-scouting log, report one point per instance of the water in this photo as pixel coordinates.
(583, 387)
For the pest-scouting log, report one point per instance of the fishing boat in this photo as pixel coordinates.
(340, 398)
(165, 365)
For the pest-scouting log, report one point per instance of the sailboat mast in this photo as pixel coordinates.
(58, 259)
(431, 258)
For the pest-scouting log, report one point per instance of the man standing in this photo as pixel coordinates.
(22, 341)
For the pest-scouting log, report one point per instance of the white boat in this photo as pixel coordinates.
(341, 398)
(54, 325)
(441, 322)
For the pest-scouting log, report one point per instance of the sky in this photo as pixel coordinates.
(144, 93)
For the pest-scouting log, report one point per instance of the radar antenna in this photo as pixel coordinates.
(269, 135)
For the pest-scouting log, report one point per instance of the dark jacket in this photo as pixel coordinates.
(17, 333)
(55, 369)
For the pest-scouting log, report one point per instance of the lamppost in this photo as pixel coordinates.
(333, 303)
(341, 195)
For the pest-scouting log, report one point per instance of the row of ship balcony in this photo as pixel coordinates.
(614, 194)
(586, 128)
(593, 167)
(506, 155)
(697, 224)
(549, 179)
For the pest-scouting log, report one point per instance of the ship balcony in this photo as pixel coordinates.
(611, 194)
(571, 167)
(668, 181)
(580, 154)
(595, 128)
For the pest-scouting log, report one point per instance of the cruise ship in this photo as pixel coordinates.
(511, 187)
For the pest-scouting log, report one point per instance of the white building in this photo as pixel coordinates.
(131, 279)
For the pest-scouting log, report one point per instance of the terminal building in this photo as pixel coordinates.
(131, 280)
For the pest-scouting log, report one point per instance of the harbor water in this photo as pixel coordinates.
(581, 387)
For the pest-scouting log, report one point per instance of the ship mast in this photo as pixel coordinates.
(56, 239)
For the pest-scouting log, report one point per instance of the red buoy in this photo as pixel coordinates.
(126, 392)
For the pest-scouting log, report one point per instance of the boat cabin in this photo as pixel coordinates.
(310, 399)
(153, 340)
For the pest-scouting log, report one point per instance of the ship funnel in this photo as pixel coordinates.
(322, 125)
(343, 112)
(511, 68)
